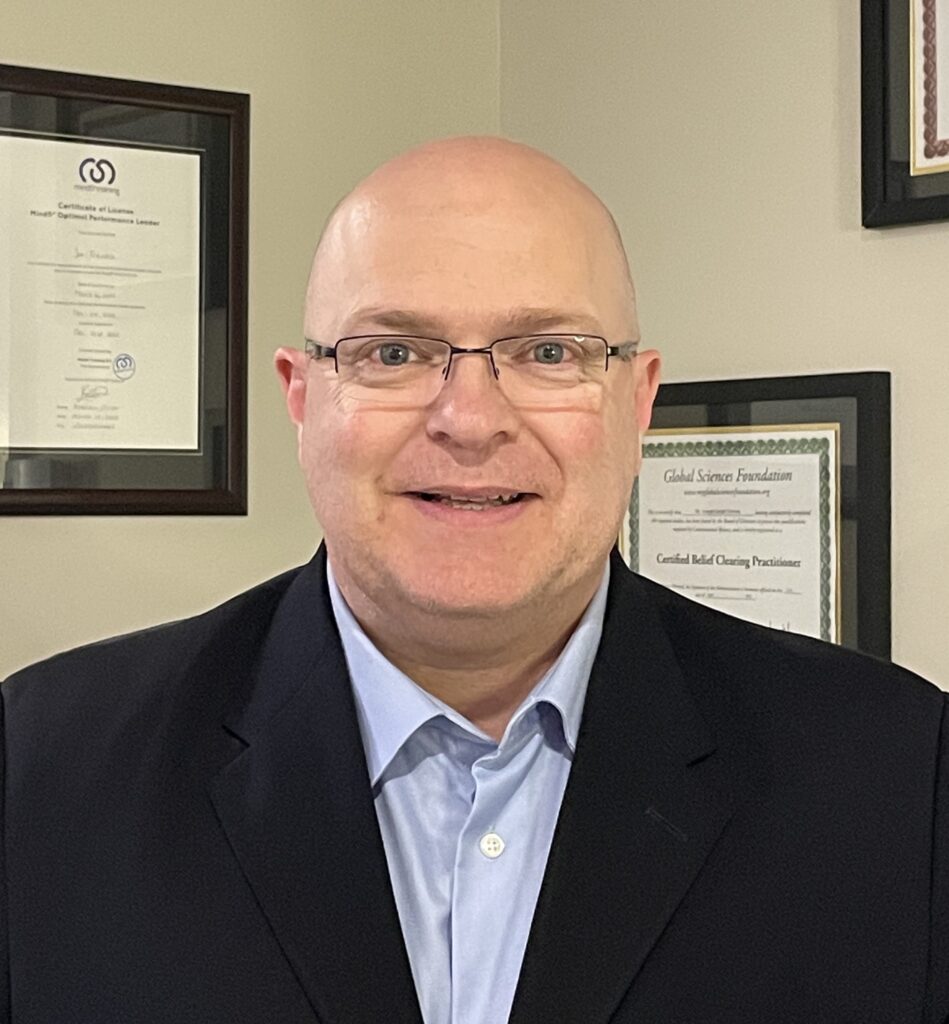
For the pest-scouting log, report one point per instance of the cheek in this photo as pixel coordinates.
(600, 451)
(600, 463)
(623, 429)
(346, 450)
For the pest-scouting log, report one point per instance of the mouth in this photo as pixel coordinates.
(471, 502)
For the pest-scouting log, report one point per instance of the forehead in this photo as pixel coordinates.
(460, 257)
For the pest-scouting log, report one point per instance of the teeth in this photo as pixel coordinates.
(474, 506)
(465, 501)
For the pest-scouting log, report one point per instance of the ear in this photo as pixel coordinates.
(290, 364)
(647, 367)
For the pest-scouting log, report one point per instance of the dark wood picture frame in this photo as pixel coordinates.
(112, 111)
(890, 194)
(860, 403)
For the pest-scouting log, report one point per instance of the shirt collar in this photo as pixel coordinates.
(391, 707)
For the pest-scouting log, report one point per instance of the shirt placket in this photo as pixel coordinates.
(488, 864)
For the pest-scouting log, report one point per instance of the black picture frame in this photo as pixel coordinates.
(860, 404)
(211, 480)
(890, 194)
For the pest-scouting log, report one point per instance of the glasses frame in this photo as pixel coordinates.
(317, 351)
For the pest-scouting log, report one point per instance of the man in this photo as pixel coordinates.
(464, 766)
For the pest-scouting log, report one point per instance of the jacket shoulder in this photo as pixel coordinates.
(802, 674)
(150, 659)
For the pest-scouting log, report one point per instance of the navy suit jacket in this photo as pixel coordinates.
(755, 829)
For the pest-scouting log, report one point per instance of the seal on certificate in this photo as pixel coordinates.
(123, 366)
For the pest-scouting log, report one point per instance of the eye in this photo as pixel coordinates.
(393, 354)
(549, 353)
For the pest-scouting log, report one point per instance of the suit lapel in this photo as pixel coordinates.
(646, 800)
(297, 810)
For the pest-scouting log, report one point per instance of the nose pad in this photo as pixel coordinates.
(471, 352)
(471, 413)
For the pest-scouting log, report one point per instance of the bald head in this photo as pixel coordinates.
(506, 193)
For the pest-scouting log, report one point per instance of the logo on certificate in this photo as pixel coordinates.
(97, 172)
(123, 366)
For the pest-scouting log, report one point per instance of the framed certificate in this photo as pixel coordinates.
(769, 499)
(123, 310)
(745, 520)
(905, 110)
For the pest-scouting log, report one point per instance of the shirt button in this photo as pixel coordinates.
(491, 845)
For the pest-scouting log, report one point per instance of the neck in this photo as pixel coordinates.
(483, 667)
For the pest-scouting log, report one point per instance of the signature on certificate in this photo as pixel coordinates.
(89, 392)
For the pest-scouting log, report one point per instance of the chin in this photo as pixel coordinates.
(473, 586)
(468, 593)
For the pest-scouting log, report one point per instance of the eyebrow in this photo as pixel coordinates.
(515, 322)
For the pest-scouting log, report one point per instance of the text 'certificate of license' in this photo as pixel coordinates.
(744, 520)
(100, 312)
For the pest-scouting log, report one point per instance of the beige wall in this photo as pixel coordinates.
(726, 138)
(337, 86)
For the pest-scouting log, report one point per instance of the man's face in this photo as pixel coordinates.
(468, 270)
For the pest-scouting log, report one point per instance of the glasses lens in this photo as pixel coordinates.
(546, 369)
(391, 368)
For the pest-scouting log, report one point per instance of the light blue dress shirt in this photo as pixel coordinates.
(467, 822)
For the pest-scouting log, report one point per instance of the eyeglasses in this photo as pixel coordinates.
(539, 370)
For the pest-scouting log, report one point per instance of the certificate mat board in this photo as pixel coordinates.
(743, 520)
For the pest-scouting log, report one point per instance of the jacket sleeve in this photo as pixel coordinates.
(5, 1006)
(938, 995)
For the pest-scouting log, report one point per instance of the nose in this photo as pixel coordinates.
(470, 412)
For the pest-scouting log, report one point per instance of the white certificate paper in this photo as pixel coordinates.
(743, 520)
(100, 313)
(929, 72)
